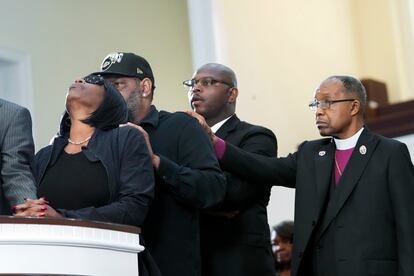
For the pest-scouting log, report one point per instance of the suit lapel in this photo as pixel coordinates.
(228, 127)
(353, 172)
(323, 172)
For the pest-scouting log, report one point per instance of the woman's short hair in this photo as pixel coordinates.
(284, 230)
(112, 112)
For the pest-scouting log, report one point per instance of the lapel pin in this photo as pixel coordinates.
(322, 153)
(363, 149)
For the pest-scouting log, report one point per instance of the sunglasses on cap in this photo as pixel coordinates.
(94, 79)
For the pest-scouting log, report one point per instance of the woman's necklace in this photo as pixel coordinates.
(80, 142)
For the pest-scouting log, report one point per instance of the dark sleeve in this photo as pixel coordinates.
(135, 186)
(241, 192)
(39, 162)
(258, 168)
(401, 186)
(196, 179)
(17, 153)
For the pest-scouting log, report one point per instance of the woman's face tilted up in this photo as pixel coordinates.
(84, 97)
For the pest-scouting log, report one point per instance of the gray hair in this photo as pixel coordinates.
(353, 85)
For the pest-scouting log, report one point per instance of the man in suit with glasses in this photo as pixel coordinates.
(235, 238)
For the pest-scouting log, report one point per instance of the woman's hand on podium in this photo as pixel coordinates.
(35, 208)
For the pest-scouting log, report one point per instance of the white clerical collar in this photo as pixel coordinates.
(219, 124)
(348, 143)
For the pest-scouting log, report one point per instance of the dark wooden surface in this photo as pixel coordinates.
(393, 120)
(390, 120)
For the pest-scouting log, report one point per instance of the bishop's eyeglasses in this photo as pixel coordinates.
(325, 104)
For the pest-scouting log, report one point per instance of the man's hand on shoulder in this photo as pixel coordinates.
(204, 124)
(154, 158)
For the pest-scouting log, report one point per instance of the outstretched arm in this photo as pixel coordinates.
(250, 164)
(278, 171)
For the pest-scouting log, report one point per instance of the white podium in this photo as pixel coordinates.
(49, 246)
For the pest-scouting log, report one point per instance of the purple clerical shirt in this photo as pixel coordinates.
(220, 148)
(341, 160)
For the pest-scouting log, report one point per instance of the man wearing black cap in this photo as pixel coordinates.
(188, 177)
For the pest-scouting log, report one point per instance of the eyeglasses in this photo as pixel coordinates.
(204, 82)
(94, 79)
(325, 104)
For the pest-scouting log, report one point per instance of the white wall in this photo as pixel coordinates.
(15, 77)
(409, 141)
(68, 39)
(384, 41)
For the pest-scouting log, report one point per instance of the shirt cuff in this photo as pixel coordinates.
(220, 148)
(167, 170)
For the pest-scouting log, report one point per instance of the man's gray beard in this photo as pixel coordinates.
(132, 104)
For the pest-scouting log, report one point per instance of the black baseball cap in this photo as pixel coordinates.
(126, 64)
